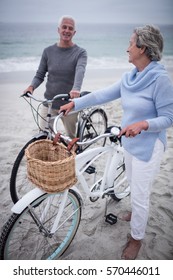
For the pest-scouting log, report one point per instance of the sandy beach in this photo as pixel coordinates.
(95, 239)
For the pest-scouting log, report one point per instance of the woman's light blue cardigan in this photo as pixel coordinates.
(146, 95)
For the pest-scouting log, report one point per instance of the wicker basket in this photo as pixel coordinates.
(50, 167)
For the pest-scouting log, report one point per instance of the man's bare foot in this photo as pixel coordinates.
(132, 249)
(126, 216)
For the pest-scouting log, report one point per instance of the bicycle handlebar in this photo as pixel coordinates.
(89, 142)
(114, 132)
(58, 96)
(65, 96)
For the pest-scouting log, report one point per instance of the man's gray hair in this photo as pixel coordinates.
(66, 17)
(151, 38)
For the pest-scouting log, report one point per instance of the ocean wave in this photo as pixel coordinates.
(31, 63)
(107, 62)
(19, 64)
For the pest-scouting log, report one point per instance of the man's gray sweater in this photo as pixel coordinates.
(65, 68)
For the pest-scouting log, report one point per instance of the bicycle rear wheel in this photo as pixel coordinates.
(19, 183)
(94, 124)
(24, 237)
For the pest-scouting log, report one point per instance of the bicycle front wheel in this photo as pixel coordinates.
(94, 124)
(19, 183)
(28, 236)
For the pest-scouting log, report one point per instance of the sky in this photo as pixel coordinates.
(88, 11)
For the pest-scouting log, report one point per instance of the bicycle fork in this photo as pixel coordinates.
(37, 221)
(40, 221)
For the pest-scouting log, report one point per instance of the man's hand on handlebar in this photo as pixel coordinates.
(74, 94)
(29, 89)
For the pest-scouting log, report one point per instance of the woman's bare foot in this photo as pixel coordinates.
(132, 249)
(126, 216)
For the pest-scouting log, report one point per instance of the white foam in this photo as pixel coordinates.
(31, 63)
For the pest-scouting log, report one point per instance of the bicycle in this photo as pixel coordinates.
(91, 122)
(43, 225)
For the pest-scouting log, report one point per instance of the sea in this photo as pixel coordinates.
(22, 44)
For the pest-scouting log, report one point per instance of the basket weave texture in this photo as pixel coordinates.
(50, 166)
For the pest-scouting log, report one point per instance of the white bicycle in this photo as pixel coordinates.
(43, 225)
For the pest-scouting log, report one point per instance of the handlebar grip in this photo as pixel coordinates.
(63, 112)
(26, 94)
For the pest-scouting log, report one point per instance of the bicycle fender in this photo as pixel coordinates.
(28, 198)
(21, 204)
(78, 192)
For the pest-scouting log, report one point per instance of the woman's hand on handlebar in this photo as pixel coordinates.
(134, 129)
(67, 108)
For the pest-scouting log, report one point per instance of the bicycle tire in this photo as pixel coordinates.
(94, 124)
(22, 238)
(19, 184)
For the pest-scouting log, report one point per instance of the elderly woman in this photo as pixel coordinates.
(147, 100)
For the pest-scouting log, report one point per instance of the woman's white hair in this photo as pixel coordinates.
(150, 37)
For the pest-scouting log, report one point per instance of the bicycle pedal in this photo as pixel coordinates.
(111, 219)
(90, 170)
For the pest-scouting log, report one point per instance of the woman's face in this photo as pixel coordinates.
(133, 51)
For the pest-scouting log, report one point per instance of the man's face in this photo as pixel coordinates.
(66, 30)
